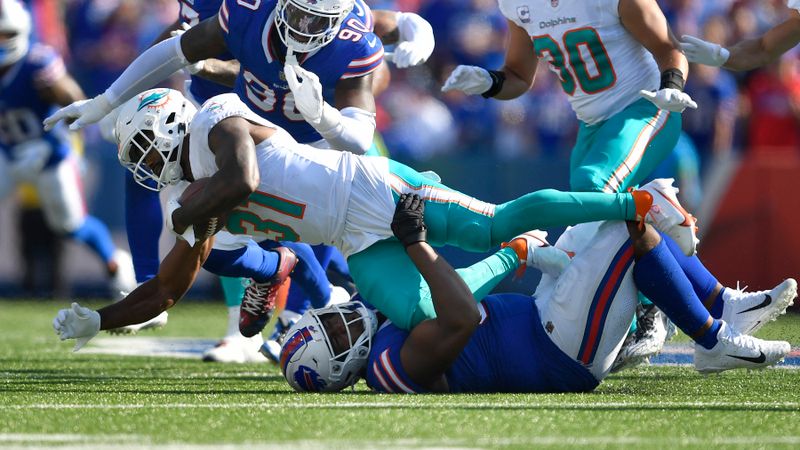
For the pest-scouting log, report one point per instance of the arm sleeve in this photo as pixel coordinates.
(352, 131)
(151, 67)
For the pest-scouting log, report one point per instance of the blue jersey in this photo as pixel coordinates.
(21, 108)
(193, 12)
(261, 84)
(509, 352)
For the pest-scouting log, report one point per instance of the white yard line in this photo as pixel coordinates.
(409, 405)
(87, 442)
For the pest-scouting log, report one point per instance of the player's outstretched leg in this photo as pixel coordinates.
(64, 210)
(454, 218)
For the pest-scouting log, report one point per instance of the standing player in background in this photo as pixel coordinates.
(750, 53)
(34, 81)
(608, 55)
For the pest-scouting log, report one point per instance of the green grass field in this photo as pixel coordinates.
(53, 398)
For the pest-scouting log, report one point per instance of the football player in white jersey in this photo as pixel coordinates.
(750, 53)
(623, 73)
(260, 182)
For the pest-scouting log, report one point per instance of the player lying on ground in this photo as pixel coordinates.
(749, 53)
(564, 339)
(261, 182)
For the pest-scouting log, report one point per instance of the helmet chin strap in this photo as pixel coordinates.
(290, 58)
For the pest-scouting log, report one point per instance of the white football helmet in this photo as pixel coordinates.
(149, 131)
(15, 22)
(306, 25)
(308, 359)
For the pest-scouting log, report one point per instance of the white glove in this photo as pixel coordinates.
(192, 69)
(307, 92)
(550, 260)
(77, 323)
(85, 112)
(702, 52)
(416, 41)
(471, 80)
(670, 99)
(29, 158)
(541, 255)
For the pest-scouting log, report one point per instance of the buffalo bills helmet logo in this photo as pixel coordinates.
(309, 379)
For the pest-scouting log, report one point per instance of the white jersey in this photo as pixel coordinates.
(601, 66)
(304, 192)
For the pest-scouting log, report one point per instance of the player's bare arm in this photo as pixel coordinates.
(153, 66)
(748, 54)
(412, 34)
(758, 52)
(355, 92)
(219, 71)
(520, 64)
(385, 26)
(512, 80)
(433, 345)
(175, 276)
(62, 92)
(646, 22)
(237, 178)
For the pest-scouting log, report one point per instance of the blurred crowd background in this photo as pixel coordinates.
(755, 113)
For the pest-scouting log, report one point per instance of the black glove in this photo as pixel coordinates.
(408, 223)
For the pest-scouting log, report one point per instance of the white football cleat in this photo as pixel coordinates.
(159, 321)
(669, 217)
(236, 349)
(747, 312)
(124, 281)
(653, 329)
(738, 351)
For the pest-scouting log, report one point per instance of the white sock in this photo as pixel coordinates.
(233, 323)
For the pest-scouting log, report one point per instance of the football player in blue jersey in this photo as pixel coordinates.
(564, 339)
(34, 81)
(323, 93)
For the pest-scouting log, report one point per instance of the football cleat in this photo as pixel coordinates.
(259, 298)
(159, 321)
(738, 351)
(653, 329)
(669, 217)
(236, 349)
(533, 250)
(124, 280)
(271, 349)
(747, 312)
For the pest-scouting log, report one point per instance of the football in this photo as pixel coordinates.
(205, 228)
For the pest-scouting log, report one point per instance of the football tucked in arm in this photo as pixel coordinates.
(203, 229)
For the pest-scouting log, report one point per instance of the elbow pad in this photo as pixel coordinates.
(151, 67)
(350, 129)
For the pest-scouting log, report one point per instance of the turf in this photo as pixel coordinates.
(52, 397)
